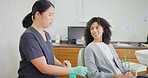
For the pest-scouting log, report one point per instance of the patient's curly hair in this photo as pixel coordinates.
(106, 27)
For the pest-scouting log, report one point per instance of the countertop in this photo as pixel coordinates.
(126, 45)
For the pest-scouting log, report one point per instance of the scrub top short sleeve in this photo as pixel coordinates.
(30, 47)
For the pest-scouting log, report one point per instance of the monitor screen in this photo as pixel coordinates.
(75, 32)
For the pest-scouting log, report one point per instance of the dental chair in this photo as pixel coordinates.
(142, 56)
(81, 56)
(81, 59)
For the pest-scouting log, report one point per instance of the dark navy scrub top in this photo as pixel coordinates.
(32, 45)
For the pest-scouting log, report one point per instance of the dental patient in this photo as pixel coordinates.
(100, 57)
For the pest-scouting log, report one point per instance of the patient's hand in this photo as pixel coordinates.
(129, 74)
(118, 76)
(122, 76)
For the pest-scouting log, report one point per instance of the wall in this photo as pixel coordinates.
(11, 15)
(67, 13)
(129, 19)
(124, 16)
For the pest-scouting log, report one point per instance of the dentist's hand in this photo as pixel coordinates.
(79, 70)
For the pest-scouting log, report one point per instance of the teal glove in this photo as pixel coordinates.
(79, 70)
(72, 76)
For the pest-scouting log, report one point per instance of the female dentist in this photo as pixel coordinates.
(36, 49)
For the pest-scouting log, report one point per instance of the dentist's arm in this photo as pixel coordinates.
(41, 64)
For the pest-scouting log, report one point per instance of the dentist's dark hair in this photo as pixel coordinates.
(106, 28)
(40, 6)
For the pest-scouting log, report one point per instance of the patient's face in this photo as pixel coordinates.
(96, 30)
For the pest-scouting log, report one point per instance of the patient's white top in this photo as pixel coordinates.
(105, 49)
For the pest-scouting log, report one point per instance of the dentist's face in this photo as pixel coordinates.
(46, 18)
(96, 30)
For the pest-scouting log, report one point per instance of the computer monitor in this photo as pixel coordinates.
(74, 33)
